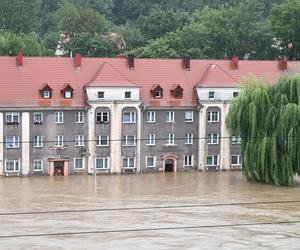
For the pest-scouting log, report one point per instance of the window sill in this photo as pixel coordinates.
(102, 122)
(189, 121)
(102, 146)
(99, 169)
(150, 167)
(13, 148)
(212, 143)
(128, 145)
(129, 122)
(12, 123)
(38, 123)
(170, 145)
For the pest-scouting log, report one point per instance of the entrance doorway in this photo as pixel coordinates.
(59, 168)
(169, 165)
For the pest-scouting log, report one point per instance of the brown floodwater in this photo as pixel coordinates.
(174, 223)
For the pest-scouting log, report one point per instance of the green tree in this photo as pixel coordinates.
(11, 44)
(104, 7)
(285, 19)
(268, 120)
(19, 15)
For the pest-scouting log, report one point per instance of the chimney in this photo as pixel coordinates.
(186, 63)
(19, 59)
(77, 60)
(131, 61)
(234, 62)
(283, 64)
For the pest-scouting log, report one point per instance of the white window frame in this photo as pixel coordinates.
(186, 114)
(171, 139)
(170, 116)
(154, 161)
(99, 139)
(157, 94)
(101, 115)
(38, 121)
(128, 162)
(239, 160)
(130, 95)
(125, 141)
(41, 165)
(213, 139)
(82, 163)
(236, 140)
(59, 117)
(14, 143)
(105, 162)
(12, 118)
(16, 166)
(188, 161)
(151, 140)
(132, 116)
(214, 157)
(59, 141)
(68, 94)
(79, 117)
(79, 140)
(189, 137)
(211, 95)
(100, 98)
(210, 116)
(151, 116)
(38, 141)
(46, 96)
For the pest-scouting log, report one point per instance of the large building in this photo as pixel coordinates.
(61, 116)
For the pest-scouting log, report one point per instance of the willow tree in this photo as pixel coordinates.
(267, 117)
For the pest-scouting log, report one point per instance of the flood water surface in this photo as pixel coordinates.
(151, 211)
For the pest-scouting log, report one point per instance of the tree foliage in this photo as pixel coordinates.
(268, 120)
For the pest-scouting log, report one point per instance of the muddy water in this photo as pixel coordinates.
(75, 192)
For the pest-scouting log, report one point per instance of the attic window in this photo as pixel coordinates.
(157, 91)
(46, 91)
(177, 91)
(67, 92)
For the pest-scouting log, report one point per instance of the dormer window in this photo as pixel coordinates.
(67, 92)
(46, 91)
(157, 91)
(177, 91)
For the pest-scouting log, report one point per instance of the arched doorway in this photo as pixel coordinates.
(169, 165)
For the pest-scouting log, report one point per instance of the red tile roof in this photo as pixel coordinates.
(20, 85)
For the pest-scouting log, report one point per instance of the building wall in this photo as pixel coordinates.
(161, 128)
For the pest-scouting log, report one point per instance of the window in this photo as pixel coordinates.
(38, 165)
(67, 91)
(59, 117)
(128, 140)
(68, 94)
(12, 141)
(38, 141)
(102, 141)
(189, 139)
(59, 142)
(188, 161)
(150, 116)
(170, 116)
(177, 91)
(101, 95)
(150, 161)
(37, 118)
(78, 163)
(128, 163)
(79, 117)
(151, 139)
(127, 95)
(213, 139)
(236, 160)
(129, 117)
(213, 116)
(188, 115)
(171, 139)
(102, 163)
(236, 140)
(79, 140)
(12, 118)
(212, 160)
(12, 166)
(211, 95)
(102, 117)
(46, 94)
(157, 94)
(235, 94)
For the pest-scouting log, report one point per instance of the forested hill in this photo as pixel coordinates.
(250, 29)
